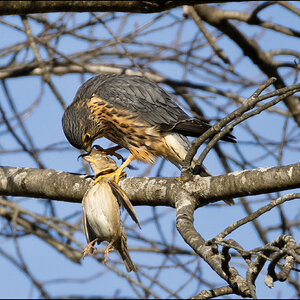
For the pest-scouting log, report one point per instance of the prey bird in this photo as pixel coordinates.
(101, 210)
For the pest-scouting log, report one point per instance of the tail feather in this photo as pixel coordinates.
(193, 127)
(122, 249)
(127, 261)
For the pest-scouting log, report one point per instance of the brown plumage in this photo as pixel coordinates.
(134, 113)
(101, 210)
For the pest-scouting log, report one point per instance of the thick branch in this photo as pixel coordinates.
(137, 6)
(58, 185)
(39, 183)
(185, 206)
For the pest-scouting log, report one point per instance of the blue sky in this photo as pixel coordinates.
(44, 123)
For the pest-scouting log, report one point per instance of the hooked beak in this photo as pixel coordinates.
(88, 152)
(83, 155)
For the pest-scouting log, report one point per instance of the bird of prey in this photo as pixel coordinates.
(101, 210)
(136, 114)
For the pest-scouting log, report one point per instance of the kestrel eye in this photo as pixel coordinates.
(86, 138)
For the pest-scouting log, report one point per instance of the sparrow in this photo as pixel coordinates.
(101, 210)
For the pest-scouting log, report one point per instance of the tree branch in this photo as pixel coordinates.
(185, 207)
(62, 186)
(217, 18)
(137, 6)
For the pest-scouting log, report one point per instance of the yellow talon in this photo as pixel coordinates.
(116, 174)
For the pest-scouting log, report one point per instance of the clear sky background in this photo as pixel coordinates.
(44, 123)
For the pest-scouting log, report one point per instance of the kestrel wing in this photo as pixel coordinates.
(136, 95)
(140, 97)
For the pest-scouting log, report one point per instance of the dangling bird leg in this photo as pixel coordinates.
(107, 250)
(89, 249)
